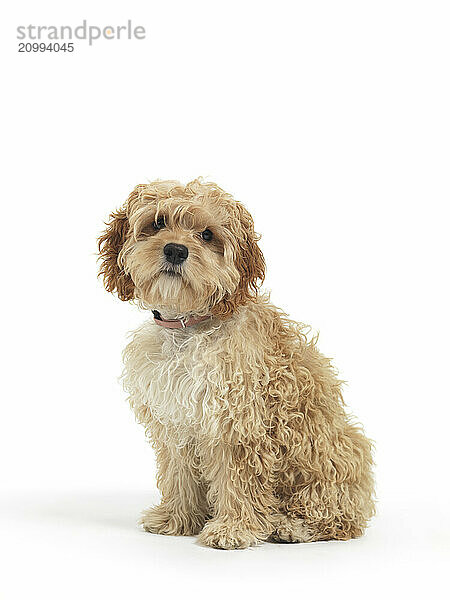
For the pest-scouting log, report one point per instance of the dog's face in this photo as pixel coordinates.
(182, 249)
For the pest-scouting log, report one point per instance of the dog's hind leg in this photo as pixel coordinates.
(324, 511)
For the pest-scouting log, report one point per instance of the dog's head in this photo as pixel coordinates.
(183, 249)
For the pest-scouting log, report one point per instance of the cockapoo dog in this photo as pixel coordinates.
(245, 415)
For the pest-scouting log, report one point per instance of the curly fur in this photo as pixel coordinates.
(245, 415)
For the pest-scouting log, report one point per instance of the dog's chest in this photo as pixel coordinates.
(178, 386)
(173, 376)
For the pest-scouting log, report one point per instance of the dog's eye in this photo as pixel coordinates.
(159, 224)
(207, 235)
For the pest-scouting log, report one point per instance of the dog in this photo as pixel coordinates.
(245, 415)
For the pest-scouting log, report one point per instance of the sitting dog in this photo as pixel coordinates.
(244, 413)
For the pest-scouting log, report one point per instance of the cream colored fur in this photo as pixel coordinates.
(245, 415)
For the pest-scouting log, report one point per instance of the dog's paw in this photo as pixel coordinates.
(228, 536)
(159, 520)
(291, 530)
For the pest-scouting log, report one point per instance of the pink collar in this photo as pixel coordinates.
(177, 323)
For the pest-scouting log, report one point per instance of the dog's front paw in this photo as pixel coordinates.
(159, 520)
(291, 530)
(228, 536)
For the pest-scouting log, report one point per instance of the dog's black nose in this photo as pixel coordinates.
(175, 253)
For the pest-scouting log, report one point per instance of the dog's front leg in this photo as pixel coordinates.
(240, 494)
(183, 509)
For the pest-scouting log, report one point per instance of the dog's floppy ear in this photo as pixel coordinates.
(110, 244)
(249, 259)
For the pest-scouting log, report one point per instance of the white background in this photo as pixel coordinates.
(330, 121)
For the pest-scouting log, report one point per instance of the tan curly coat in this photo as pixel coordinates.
(245, 414)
